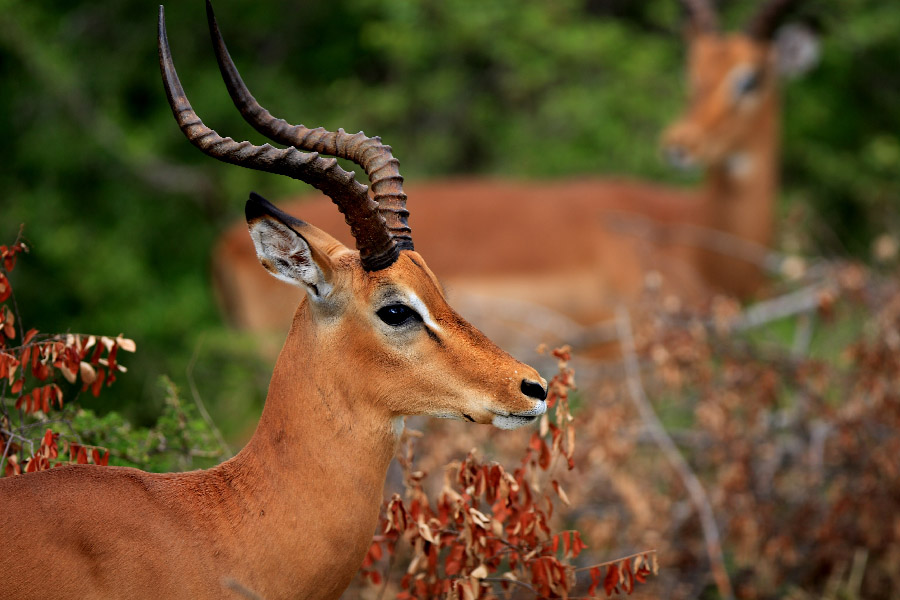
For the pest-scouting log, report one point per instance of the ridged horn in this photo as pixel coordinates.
(702, 14)
(766, 20)
(368, 152)
(377, 247)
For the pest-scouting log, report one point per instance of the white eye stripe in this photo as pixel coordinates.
(419, 306)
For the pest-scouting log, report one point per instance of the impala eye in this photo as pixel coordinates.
(747, 83)
(397, 314)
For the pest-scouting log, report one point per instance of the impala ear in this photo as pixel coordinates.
(798, 48)
(284, 252)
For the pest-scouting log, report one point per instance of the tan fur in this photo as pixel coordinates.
(560, 245)
(290, 516)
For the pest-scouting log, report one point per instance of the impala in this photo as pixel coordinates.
(580, 246)
(292, 515)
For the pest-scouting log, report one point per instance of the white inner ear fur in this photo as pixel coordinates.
(287, 256)
(798, 49)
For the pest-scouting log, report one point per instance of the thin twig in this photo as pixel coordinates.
(6, 452)
(46, 338)
(804, 300)
(501, 580)
(3, 406)
(612, 562)
(199, 401)
(387, 575)
(13, 292)
(235, 586)
(803, 335)
(673, 455)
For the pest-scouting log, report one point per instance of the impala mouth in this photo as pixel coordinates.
(680, 158)
(503, 420)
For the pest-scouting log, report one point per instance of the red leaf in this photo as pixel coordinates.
(421, 588)
(539, 577)
(82, 455)
(577, 544)
(374, 549)
(28, 336)
(629, 576)
(544, 458)
(105, 460)
(12, 466)
(595, 580)
(453, 564)
(611, 581)
(564, 353)
(98, 383)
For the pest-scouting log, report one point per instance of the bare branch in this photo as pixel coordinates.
(695, 489)
(612, 562)
(237, 587)
(804, 300)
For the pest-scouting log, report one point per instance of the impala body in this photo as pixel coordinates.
(292, 515)
(581, 246)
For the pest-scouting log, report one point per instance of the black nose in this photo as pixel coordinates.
(533, 389)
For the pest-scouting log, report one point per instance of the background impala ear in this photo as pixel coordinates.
(798, 49)
(284, 252)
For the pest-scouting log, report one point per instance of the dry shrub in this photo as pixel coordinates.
(488, 531)
(795, 446)
(35, 369)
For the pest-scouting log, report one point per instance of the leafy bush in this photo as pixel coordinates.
(488, 528)
(41, 377)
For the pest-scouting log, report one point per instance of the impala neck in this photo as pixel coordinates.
(740, 200)
(315, 470)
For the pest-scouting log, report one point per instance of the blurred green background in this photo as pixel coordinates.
(121, 212)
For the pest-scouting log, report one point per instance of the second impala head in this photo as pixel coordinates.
(395, 321)
(732, 81)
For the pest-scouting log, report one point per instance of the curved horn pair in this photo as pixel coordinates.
(762, 26)
(379, 226)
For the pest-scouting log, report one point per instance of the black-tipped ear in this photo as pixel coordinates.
(258, 207)
(284, 251)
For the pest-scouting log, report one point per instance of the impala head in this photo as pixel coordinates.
(732, 80)
(377, 313)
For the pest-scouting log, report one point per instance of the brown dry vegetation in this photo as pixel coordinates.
(754, 448)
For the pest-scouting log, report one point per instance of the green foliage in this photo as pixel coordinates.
(180, 440)
(123, 212)
(43, 375)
